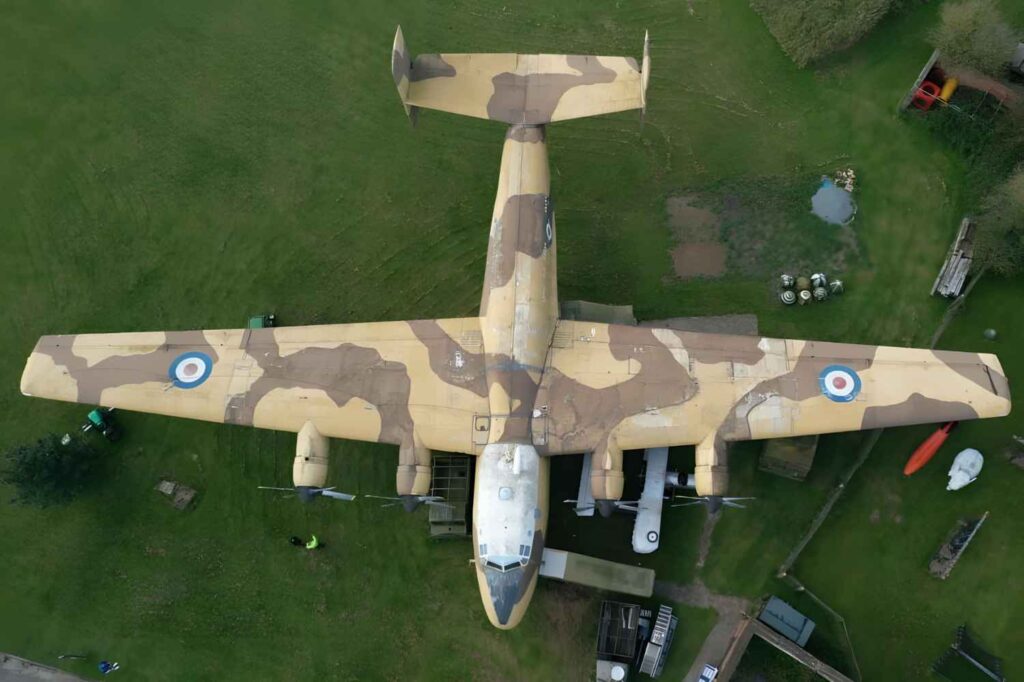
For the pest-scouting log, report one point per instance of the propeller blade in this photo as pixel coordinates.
(688, 504)
(382, 497)
(330, 492)
(435, 503)
(734, 505)
(267, 487)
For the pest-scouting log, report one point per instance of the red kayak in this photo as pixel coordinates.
(926, 450)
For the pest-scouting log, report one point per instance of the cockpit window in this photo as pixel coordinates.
(505, 563)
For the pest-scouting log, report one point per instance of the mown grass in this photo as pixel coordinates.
(858, 563)
(184, 165)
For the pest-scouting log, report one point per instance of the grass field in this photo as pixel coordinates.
(182, 165)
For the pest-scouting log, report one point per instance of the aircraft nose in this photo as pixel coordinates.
(505, 591)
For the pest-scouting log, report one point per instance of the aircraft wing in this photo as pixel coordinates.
(379, 381)
(645, 387)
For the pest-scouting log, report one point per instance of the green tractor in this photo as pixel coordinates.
(102, 420)
(262, 321)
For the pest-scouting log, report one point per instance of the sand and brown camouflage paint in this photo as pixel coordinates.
(516, 375)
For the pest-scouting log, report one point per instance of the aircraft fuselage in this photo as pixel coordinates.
(518, 312)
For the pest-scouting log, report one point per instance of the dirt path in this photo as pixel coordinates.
(705, 538)
(730, 611)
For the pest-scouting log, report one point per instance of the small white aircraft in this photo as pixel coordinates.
(647, 526)
(657, 480)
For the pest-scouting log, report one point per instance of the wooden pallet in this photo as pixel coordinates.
(953, 275)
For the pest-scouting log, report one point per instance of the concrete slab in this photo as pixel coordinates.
(16, 669)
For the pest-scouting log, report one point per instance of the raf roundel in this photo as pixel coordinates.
(839, 383)
(189, 370)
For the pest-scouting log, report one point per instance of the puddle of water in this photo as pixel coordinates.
(833, 204)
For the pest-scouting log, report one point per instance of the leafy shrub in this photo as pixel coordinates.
(46, 472)
(974, 34)
(999, 243)
(810, 29)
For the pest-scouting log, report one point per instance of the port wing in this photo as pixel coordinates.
(382, 381)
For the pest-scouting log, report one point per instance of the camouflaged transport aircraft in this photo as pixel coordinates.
(516, 385)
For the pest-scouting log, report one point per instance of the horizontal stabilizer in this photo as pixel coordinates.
(517, 88)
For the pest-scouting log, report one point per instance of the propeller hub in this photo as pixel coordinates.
(605, 507)
(411, 502)
(306, 493)
(714, 503)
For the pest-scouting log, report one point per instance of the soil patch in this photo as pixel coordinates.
(699, 252)
(690, 223)
(699, 260)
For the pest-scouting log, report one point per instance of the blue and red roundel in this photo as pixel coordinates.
(189, 370)
(839, 383)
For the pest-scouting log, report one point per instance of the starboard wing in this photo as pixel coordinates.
(373, 381)
(647, 387)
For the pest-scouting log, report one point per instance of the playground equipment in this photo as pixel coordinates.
(948, 88)
(925, 95)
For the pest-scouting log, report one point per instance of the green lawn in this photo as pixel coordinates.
(858, 562)
(183, 165)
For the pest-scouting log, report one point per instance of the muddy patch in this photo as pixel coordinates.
(699, 260)
(699, 251)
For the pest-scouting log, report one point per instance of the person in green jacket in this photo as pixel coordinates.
(313, 543)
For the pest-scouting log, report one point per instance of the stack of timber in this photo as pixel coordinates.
(953, 274)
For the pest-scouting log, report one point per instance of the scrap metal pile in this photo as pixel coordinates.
(953, 548)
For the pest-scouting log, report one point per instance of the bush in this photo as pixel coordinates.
(810, 29)
(973, 34)
(999, 243)
(46, 472)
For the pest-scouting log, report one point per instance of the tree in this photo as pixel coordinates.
(973, 34)
(999, 243)
(46, 472)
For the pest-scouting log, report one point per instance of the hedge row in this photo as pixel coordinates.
(808, 30)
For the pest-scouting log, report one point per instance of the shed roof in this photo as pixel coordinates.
(787, 621)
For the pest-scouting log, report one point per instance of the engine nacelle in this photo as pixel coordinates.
(309, 469)
(674, 479)
(413, 474)
(606, 477)
(711, 467)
